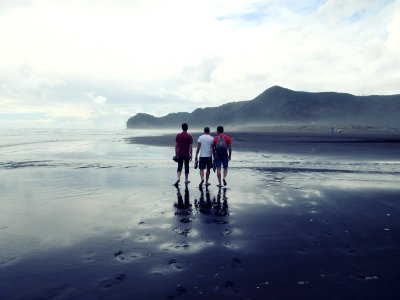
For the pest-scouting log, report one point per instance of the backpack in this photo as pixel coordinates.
(221, 148)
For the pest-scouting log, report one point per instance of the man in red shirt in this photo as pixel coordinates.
(183, 150)
(222, 150)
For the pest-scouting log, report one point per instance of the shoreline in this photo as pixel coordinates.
(363, 145)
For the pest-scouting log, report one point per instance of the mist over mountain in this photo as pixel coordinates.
(281, 106)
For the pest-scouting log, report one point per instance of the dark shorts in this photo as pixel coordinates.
(181, 161)
(221, 161)
(205, 162)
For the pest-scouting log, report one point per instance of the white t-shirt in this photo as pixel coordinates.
(206, 141)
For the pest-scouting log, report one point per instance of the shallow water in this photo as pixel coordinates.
(87, 215)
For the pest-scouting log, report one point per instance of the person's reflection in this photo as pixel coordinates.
(204, 205)
(183, 205)
(183, 210)
(218, 207)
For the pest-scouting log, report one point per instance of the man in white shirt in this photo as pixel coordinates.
(204, 146)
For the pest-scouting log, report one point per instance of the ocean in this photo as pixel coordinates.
(50, 149)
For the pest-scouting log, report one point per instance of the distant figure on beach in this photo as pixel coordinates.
(183, 150)
(205, 147)
(222, 150)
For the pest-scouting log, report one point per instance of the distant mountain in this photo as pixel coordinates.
(281, 106)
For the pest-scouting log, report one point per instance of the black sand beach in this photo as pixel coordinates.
(302, 217)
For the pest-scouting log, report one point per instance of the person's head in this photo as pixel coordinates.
(185, 127)
(220, 129)
(207, 130)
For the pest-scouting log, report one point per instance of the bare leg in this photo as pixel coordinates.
(187, 178)
(186, 161)
(201, 175)
(219, 176)
(225, 174)
(207, 175)
(178, 178)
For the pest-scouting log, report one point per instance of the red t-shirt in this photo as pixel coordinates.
(184, 140)
(226, 137)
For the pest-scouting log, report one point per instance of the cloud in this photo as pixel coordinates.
(202, 71)
(103, 61)
(97, 100)
(393, 33)
(24, 84)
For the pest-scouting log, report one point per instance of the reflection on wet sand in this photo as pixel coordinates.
(218, 207)
(208, 209)
(183, 205)
(183, 210)
(202, 205)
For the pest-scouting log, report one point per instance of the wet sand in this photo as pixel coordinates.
(353, 144)
(278, 231)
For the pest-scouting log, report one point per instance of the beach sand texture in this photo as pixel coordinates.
(95, 216)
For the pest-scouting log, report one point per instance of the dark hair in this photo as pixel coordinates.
(207, 129)
(185, 127)
(220, 129)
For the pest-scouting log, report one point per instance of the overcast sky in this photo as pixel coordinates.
(95, 63)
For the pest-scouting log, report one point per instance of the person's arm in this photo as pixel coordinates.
(213, 149)
(229, 148)
(176, 148)
(197, 150)
(190, 152)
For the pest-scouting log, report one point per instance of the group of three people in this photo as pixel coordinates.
(213, 151)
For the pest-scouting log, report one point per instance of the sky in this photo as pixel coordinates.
(95, 63)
